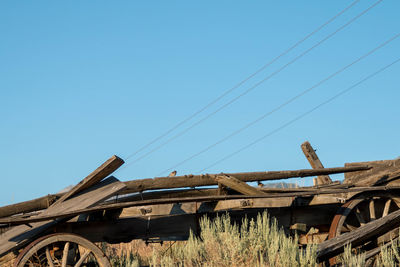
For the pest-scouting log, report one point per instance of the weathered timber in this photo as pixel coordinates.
(42, 203)
(96, 176)
(44, 217)
(238, 185)
(153, 184)
(373, 229)
(209, 179)
(28, 206)
(22, 234)
(315, 163)
(369, 177)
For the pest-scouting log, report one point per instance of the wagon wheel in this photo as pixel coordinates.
(360, 211)
(62, 250)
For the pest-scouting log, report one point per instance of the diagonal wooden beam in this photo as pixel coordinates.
(315, 163)
(96, 176)
(369, 231)
(238, 185)
(20, 235)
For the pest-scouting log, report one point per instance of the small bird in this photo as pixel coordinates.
(172, 174)
(261, 185)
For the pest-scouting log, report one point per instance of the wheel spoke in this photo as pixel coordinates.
(83, 257)
(360, 217)
(387, 207)
(372, 215)
(49, 259)
(65, 255)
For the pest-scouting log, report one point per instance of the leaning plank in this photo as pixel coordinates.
(22, 234)
(315, 163)
(335, 246)
(209, 179)
(238, 185)
(96, 176)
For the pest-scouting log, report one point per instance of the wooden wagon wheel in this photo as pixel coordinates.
(62, 250)
(360, 211)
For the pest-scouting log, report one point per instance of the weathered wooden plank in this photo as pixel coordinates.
(315, 163)
(369, 177)
(28, 206)
(290, 195)
(96, 176)
(22, 234)
(200, 180)
(238, 185)
(209, 179)
(373, 229)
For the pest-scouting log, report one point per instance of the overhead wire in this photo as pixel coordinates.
(283, 104)
(301, 116)
(257, 84)
(242, 81)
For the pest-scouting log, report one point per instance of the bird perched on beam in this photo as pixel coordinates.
(172, 174)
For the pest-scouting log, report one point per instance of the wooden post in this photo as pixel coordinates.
(315, 163)
(238, 185)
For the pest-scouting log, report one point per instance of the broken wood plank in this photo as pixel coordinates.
(209, 179)
(335, 246)
(22, 234)
(96, 176)
(238, 185)
(315, 163)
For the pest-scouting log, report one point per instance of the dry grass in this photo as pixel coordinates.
(255, 243)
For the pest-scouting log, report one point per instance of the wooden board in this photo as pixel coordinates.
(209, 179)
(28, 206)
(334, 246)
(238, 185)
(315, 163)
(96, 176)
(279, 199)
(22, 234)
(369, 177)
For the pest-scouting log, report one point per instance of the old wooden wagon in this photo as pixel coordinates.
(63, 229)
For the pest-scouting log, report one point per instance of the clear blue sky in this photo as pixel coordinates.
(83, 80)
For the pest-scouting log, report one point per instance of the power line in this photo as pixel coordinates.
(243, 81)
(302, 115)
(256, 85)
(283, 104)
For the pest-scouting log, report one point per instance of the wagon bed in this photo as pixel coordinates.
(102, 209)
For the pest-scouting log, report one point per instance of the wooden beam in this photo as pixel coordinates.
(43, 217)
(96, 176)
(315, 163)
(373, 229)
(238, 185)
(28, 206)
(209, 179)
(22, 234)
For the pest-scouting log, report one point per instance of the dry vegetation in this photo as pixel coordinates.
(254, 243)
